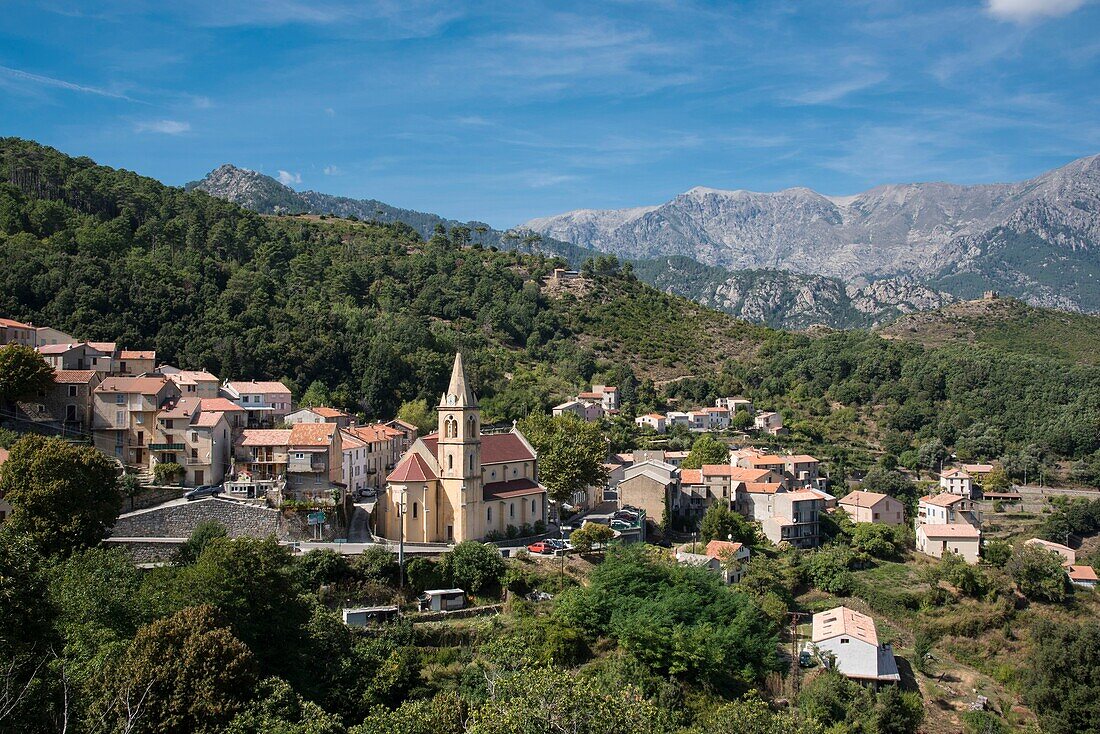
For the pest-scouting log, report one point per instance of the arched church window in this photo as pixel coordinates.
(471, 426)
(450, 427)
(414, 510)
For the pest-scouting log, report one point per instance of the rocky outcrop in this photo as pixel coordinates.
(1032, 238)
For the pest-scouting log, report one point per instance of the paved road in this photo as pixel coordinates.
(359, 532)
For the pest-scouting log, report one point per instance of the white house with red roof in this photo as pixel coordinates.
(723, 557)
(267, 402)
(656, 421)
(958, 482)
(850, 641)
(460, 483)
(16, 332)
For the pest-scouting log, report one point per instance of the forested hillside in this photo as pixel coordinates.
(374, 313)
(371, 310)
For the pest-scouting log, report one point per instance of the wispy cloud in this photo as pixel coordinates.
(165, 127)
(1027, 11)
(287, 178)
(49, 81)
(836, 91)
(332, 171)
(542, 179)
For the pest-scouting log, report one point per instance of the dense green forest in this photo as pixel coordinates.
(370, 310)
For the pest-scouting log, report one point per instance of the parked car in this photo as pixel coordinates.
(367, 493)
(805, 659)
(620, 525)
(206, 490)
(541, 547)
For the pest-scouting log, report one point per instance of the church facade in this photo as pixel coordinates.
(459, 484)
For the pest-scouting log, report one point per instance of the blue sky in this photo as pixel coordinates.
(506, 111)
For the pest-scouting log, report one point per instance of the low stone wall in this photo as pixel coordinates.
(467, 613)
(148, 550)
(180, 520)
(151, 497)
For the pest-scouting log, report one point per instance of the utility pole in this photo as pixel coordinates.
(796, 668)
(401, 541)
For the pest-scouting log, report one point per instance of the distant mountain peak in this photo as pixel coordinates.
(1038, 239)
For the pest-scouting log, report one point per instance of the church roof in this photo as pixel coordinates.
(511, 488)
(411, 468)
(496, 448)
(458, 387)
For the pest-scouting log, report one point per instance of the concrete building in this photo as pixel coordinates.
(124, 422)
(796, 519)
(851, 641)
(192, 383)
(734, 404)
(199, 440)
(770, 423)
(651, 485)
(321, 414)
(947, 509)
(1069, 556)
(656, 421)
(70, 399)
(963, 539)
(872, 507)
(16, 332)
(267, 403)
(958, 482)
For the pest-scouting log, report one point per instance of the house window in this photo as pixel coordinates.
(72, 391)
(415, 509)
(489, 514)
(120, 416)
(450, 461)
(120, 399)
(194, 436)
(533, 509)
(511, 509)
(843, 640)
(194, 453)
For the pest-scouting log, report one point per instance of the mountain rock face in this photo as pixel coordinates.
(261, 193)
(787, 300)
(1038, 239)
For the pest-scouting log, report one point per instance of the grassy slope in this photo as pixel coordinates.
(1007, 324)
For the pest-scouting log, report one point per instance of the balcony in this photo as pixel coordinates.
(166, 447)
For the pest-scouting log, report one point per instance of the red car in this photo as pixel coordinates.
(540, 547)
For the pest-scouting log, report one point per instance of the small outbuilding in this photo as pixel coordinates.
(363, 616)
(442, 600)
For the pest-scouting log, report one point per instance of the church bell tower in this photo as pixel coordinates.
(459, 453)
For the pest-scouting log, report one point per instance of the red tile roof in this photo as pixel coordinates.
(14, 324)
(3, 455)
(859, 498)
(137, 354)
(143, 385)
(943, 499)
(222, 405)
(955, 530)
(691, 476)
(208, 418)
(511, 488)
(330, 412)
(73, 376)
(312, 435)
(265, 437)
(253, 387)
(762, 487)
(496, 448)
(108, 347)
(1076, 573)
(57, 348)
(718, 548)
(411, 468)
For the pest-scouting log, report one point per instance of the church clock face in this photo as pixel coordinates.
(450, 400)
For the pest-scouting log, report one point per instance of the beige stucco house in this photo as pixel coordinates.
(872, 507)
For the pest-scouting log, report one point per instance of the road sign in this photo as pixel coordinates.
(316, 518)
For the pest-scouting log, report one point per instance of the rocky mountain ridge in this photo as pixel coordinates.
(1038, 239)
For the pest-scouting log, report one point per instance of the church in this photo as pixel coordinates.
(460, 484)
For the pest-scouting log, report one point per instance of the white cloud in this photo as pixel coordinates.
(287, 178)
(332, 171)
(1023, 11)
(49, 81)
(166, 127)
(330, 112)
(834, 92)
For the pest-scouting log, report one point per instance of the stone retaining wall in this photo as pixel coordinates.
(180, 520)
(160, 550)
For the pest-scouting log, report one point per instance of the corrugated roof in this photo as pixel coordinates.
(844, 621)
